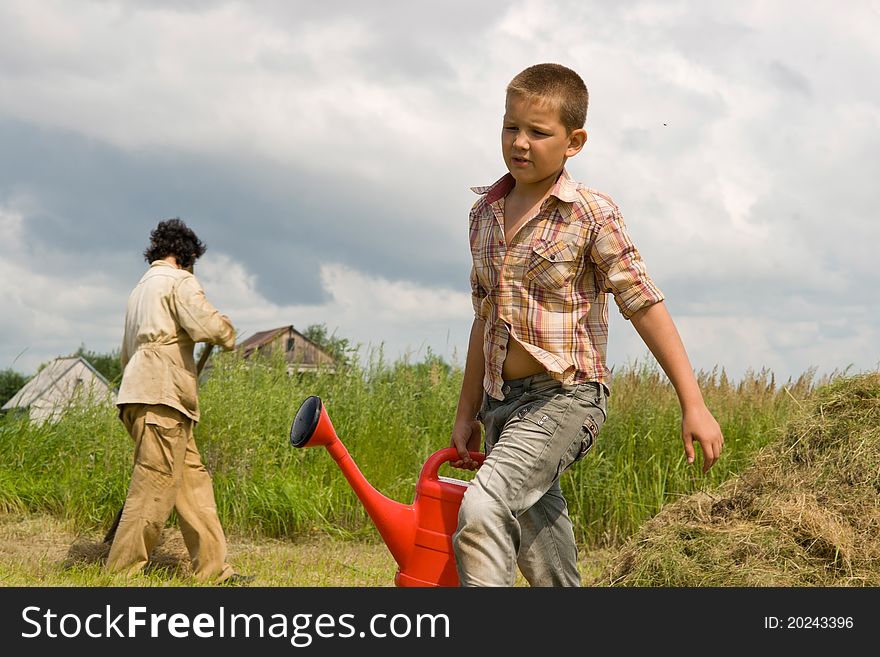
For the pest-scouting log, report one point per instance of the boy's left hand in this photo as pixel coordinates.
(699, 425)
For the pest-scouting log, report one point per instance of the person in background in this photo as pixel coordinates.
(167, 314)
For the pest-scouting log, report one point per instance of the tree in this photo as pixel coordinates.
(10, 383)
(109, 365)
(340, 348)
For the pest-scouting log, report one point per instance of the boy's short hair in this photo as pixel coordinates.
(557, 84)
(174, 237)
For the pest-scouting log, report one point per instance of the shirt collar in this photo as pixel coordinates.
(165, 263)
(496, 190)
(565, 189)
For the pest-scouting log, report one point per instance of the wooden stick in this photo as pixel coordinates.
(203, 359)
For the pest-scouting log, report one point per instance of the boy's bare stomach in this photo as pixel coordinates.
(519, 363)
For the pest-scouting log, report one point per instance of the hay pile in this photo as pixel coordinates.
(807, 513)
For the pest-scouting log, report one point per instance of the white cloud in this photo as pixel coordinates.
(225, 79)
(372, 311)
(740, 144)
(53, 315)
(45, 315)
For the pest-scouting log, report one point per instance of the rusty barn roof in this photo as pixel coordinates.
(263, 341)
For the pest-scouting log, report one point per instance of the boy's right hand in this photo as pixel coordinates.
(466, 437)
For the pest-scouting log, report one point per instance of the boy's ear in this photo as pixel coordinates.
(576, 140)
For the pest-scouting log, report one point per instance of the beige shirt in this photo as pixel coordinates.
(167, 314)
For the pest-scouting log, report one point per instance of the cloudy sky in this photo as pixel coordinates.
(325, 151)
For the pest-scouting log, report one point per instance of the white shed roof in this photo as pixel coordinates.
(61, 383)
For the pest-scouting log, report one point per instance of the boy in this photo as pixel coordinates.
(158, 403)
(546, 251)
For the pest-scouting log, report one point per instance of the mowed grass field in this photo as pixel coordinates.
(41, 550)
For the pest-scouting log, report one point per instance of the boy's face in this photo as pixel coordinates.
(534, 141)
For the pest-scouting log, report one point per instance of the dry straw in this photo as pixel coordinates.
(805, 513)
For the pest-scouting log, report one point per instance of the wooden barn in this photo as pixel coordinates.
(301, 354)
(61, 384)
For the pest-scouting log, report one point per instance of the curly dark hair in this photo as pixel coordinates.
(173, 237)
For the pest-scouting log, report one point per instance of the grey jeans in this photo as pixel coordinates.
(513, 512)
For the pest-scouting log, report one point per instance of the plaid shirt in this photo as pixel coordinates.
(548, 289)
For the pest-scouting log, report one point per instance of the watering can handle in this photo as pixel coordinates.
(432, 465)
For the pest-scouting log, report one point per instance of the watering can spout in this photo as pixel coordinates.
(396, 522)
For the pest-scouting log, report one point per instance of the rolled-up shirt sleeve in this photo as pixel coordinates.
(478, 295)
(199, 318)
(620, 268)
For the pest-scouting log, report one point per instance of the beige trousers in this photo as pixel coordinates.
(168, 474)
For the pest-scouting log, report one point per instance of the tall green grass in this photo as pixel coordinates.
(638, 463)
(390, 416)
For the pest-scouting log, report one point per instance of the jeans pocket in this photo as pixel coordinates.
(584, 441)
(535, 413)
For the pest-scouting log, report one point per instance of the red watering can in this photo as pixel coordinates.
(418, 535)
